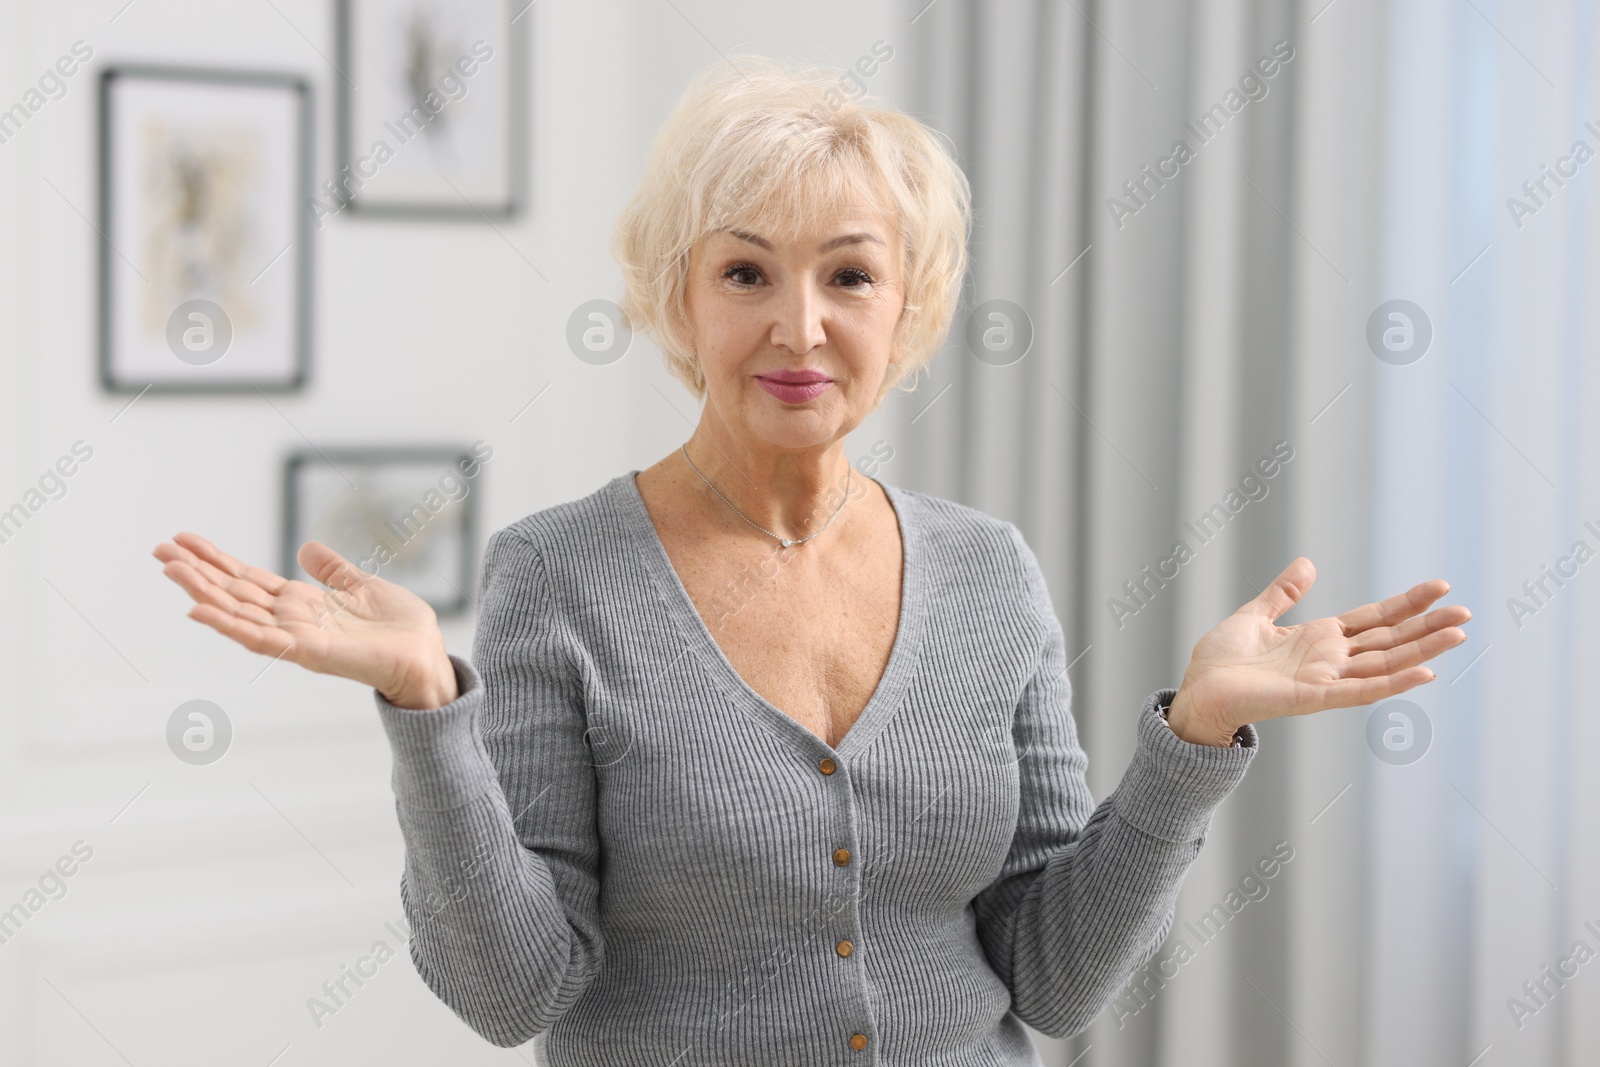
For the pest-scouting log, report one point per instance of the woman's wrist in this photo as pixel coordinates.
(434, 687)
(1192, 728)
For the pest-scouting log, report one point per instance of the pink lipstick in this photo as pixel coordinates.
(794, 386)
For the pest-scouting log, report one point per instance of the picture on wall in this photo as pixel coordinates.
(206, 254)
(407, 515)
(431, 109)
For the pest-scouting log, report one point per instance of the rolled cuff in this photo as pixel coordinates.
(1172, 786)
(439, 759)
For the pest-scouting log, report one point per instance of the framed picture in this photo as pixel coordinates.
(432, 105)
(408, 515)
(205, 261)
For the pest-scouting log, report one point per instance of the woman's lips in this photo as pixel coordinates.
(793, 392)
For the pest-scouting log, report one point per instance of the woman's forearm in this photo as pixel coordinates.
(496, 931)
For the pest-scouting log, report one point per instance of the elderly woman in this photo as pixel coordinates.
(758, 759)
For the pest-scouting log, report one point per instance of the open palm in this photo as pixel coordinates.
(1247, 668)
(360, 627)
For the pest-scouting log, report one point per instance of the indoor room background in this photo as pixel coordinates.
(1370, 268)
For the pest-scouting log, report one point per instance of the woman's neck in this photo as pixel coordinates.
(790, 493)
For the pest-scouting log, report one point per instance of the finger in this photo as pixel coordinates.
(1284, 592)
(203, 591)
(1388, 661)
(1395, 609)
(330, 568)
(267, 640)
(199, 586)
(1357, 692)
(1381, 637)
(209, 552)
(252, 587)
(242, 589)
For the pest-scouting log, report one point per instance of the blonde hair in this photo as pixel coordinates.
(757, 144)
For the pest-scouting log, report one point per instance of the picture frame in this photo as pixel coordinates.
(431, 110)
(205, 258)
(408, 514)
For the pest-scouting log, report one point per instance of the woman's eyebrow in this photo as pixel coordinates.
(745, 235)
(826, 246)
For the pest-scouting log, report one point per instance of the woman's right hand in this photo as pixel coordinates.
(361, 627)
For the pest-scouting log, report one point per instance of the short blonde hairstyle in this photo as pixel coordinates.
(758, 145)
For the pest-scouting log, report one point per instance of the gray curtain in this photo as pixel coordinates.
(1175, 341)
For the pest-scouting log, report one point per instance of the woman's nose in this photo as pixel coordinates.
(798, 325)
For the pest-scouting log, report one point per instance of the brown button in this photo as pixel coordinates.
(858, 1041)
(841, 856)
(827, 766)
(844, 948)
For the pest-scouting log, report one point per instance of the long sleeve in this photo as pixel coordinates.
(495, 794)
(1085, 897)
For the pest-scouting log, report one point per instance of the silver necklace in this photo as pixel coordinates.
(786, 542)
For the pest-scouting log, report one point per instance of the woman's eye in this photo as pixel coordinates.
(746, 275)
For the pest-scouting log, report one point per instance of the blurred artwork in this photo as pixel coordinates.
(430, 48)
(199, 232)
(407, 515)
(431, 113)
(205, 190)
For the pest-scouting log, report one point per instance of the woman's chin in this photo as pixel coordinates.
(795, 428)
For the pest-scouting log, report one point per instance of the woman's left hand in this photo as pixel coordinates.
(1247, 669)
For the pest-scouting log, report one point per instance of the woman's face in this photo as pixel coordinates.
(767, 314)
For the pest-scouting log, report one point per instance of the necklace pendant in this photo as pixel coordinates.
(785, 542)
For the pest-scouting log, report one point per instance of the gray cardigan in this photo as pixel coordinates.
(616, 846)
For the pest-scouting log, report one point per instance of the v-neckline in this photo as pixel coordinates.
(896, 675)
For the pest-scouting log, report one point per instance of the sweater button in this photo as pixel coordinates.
(827, 766)
(841, 856)
(844, 948)
(858, 1041)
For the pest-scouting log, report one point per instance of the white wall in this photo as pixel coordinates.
(223, 896)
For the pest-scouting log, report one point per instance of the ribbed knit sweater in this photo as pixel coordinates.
(614, 846)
